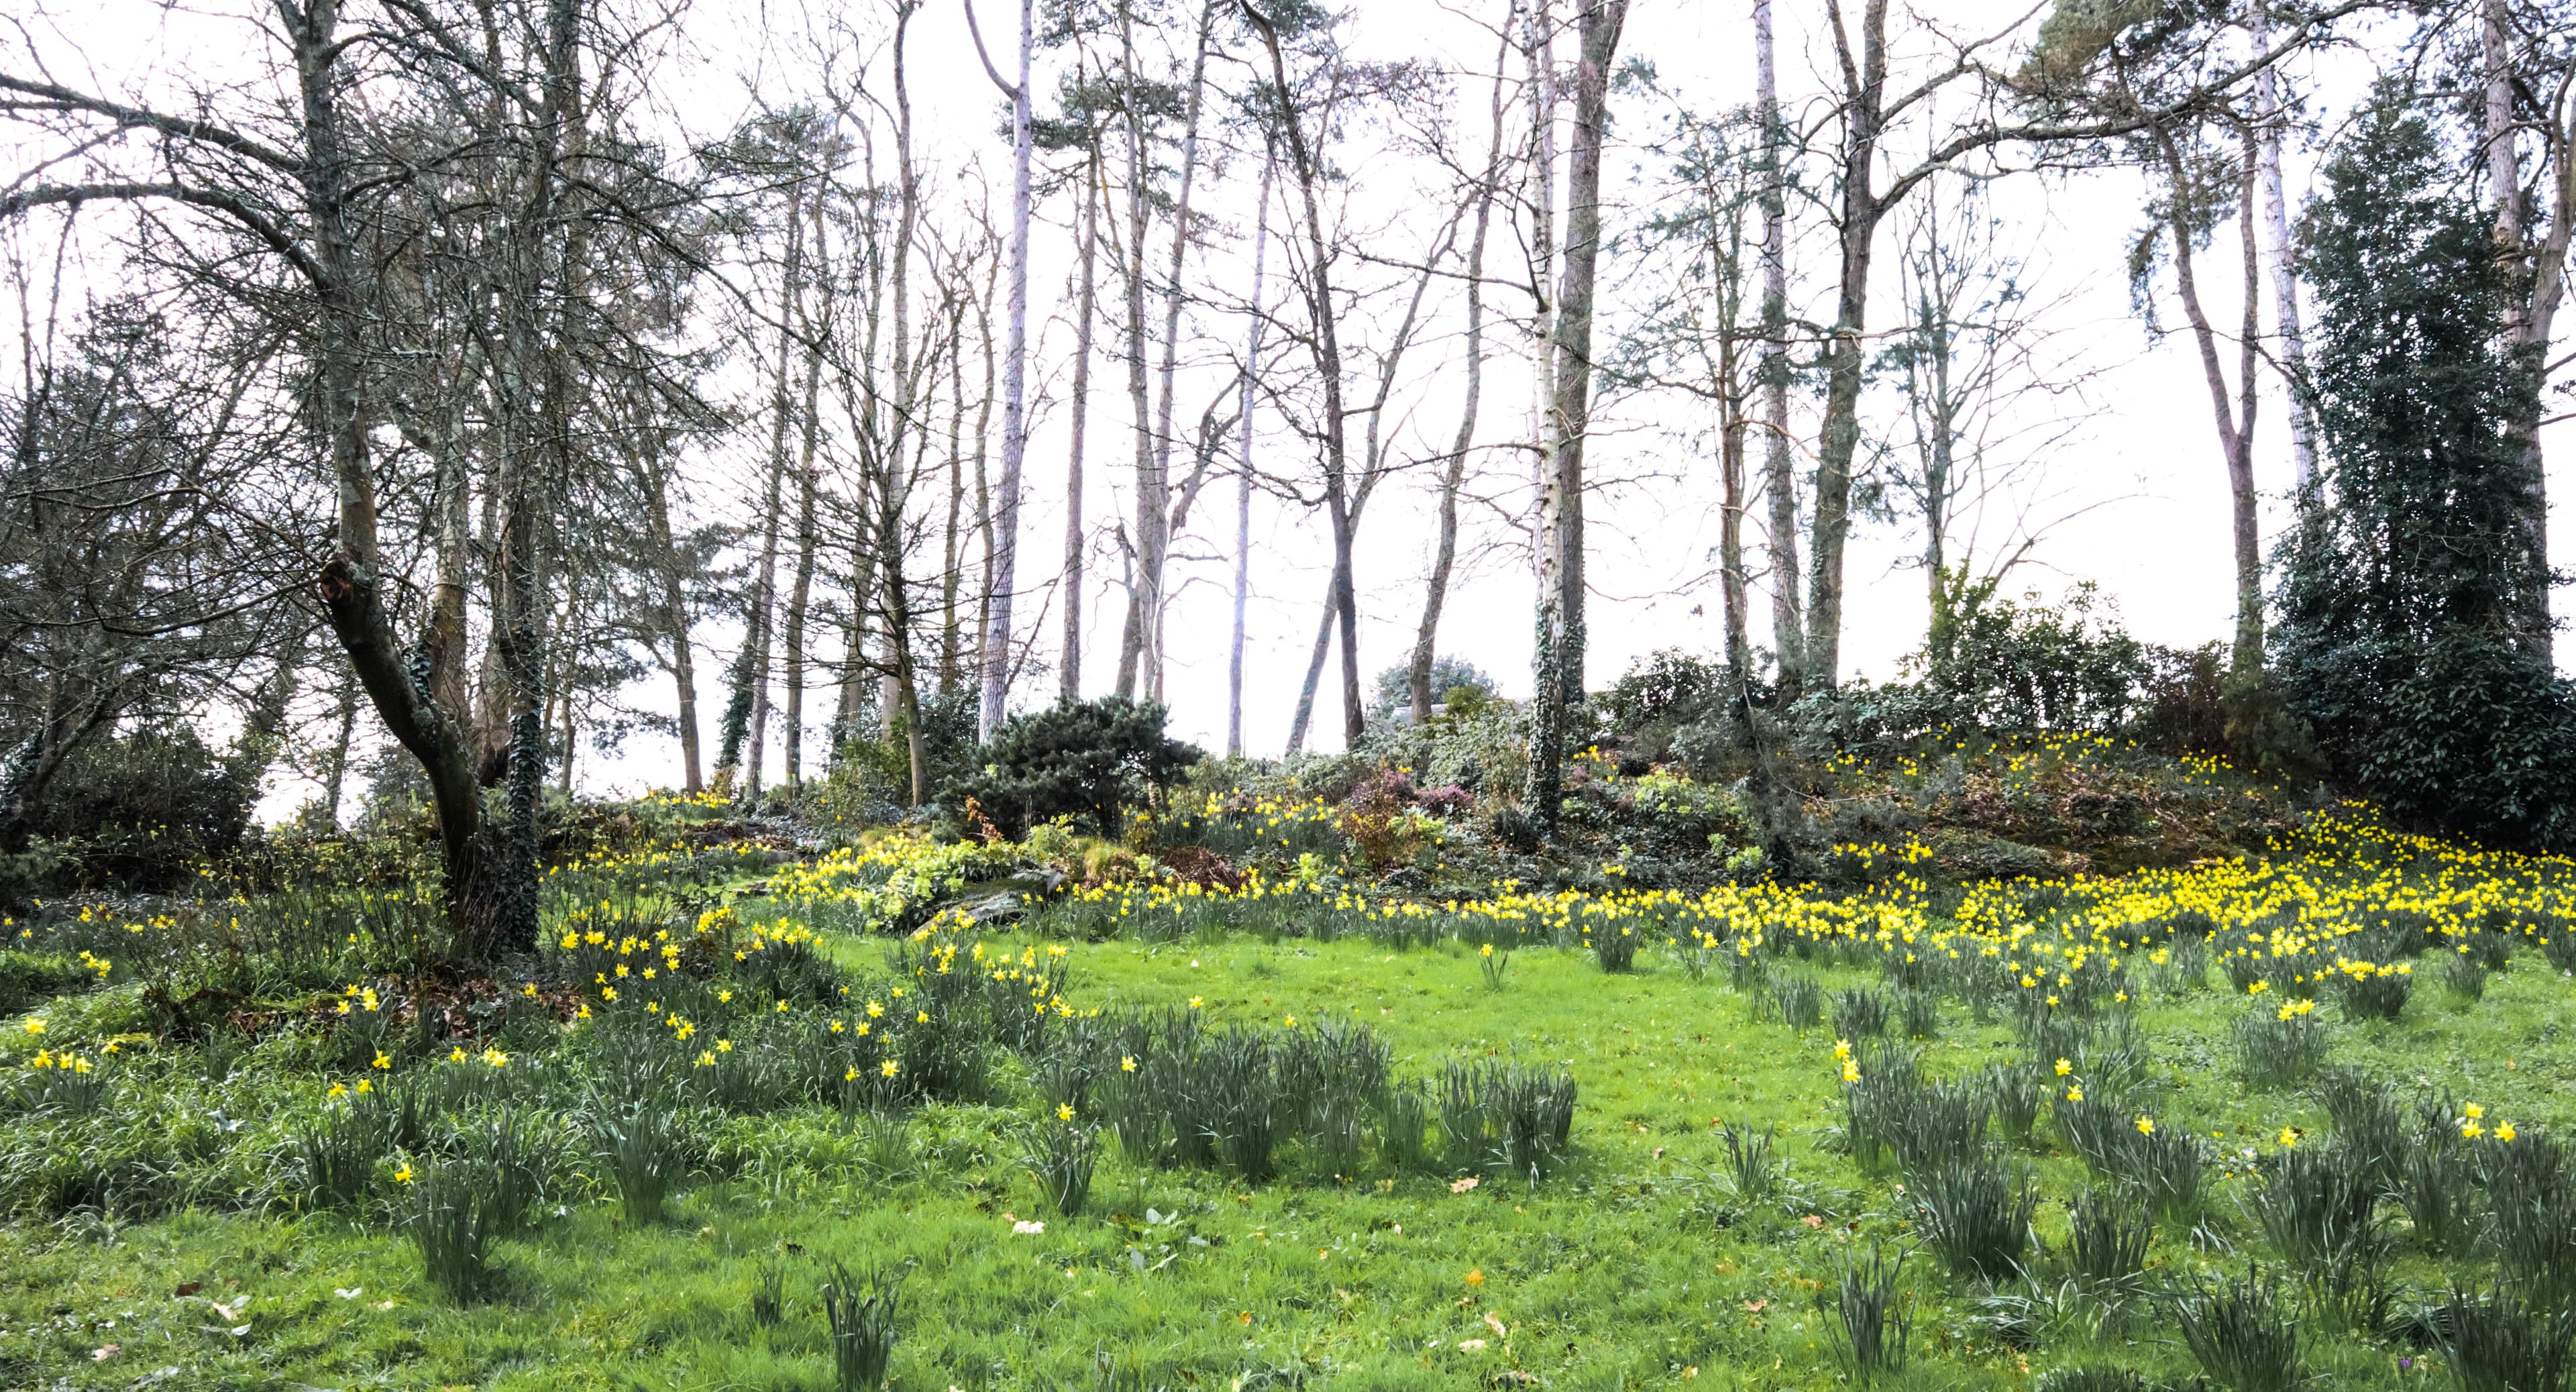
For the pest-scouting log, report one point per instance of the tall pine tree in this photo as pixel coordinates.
(2400, 587)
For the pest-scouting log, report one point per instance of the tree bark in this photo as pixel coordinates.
(2235, 436)
(1547, 549)
(1086, 314)
(2269, 120)
(1597, 30)
(1779, 479)
(1003, 582)
(1318, 293)
(1243, 462)
(1453, 475)
(1864, 98)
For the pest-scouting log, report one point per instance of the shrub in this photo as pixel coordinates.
(1800, 1001)
(1087, 760)
(2316, 1208)
(1404, 1126)
(2464, 976)
(1616, 952)
(1919, 1013)
(2092, 1377)
(2370, 991)
(2015, 1095)
(2531, 1199)
(2434, 1183)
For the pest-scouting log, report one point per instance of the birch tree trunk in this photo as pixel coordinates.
(1086, 314)
(2540, 275)
(1243, 462)
(1598, 30)
(2268, 118)
(1779, 478)
(764, 592)
(1547, 550)
(1003, 584)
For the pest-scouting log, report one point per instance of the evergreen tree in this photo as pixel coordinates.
(2399, 590)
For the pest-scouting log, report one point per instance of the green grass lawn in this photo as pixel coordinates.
(1634, 1264)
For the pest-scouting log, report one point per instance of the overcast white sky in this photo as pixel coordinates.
(2142, 476)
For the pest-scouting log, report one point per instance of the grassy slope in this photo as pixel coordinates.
(1629, 1268)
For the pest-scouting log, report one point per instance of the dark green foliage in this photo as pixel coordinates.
(1975, 1211)
(2501, 1343)
(1060, 1153)
(1874, 1314)
(2367, 1121)
(337, 1153)
(2277, 1050)
(2092, 1377)
(2378, 995)
(2316, 1208)
(1918, 1013)
(457, 1211)
(2244, 1333)
(769, 1294)
(1505, 1119)
(1404, 1127)
(1616, 952)
(142, 810)
(2435, 1184)
(1748, 1161)
(1860, 1013)
(2464, 976)
(2405, 608)
(1993, 664)
(1800, 1001)
(1086, 760)
(861, 1312)
(2107, 1235)
(639, 1143)
(2531, 1200)
(2014, 1094)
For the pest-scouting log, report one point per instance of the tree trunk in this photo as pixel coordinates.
(1086, 313)
(2538, 275)
(801, 591)
(674, 614)
(1598, 30)
(1156, 561)
(2285, 272)
(1453, 475)
(764, 593)
(1318, 290)
(1863, 116)
(1243, 463)
(1003, 584)
(336, 765)
(2235, 438)
(1547, 549)
(1151, 501)
(1779, 479)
